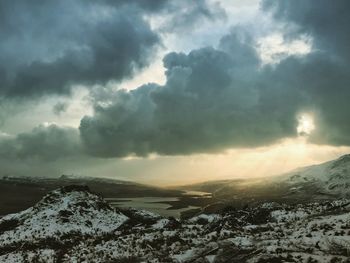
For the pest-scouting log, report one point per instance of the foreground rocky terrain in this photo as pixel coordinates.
(72, 224)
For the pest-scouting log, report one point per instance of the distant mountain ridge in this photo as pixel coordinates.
(64, 177)
(326, 180)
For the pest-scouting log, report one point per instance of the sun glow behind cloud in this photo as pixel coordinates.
(305, 124)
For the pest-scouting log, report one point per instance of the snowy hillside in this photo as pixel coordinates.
(326, 181)
(74, 225)
(70, 209)
(330, 178)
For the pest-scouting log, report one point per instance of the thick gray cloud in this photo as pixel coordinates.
(184, 16)
(48, 46)
(326, 21)
(59, 108)
(215, 99)
(44, 143)
(324, 75)
(210, 102)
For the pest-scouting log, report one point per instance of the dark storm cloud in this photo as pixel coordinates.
(215, 99)
(326, 21)
(59, 108)
(181, 8)
(48, 46)
(210, 102)
(124, 127)
(45, 143)
(184, 16)
(180, 15)
(323, 76)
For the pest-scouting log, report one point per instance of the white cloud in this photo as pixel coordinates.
(273, 48)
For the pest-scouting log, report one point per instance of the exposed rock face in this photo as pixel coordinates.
(74, 225)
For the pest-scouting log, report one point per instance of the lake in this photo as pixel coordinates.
(156, 205)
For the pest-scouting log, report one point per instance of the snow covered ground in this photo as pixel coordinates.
(74, 225)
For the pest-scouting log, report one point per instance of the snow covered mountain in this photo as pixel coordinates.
(74, 225)
(330, 179)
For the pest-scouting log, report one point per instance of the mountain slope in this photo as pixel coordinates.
(330, 178)
(323, 181)
(70, 209)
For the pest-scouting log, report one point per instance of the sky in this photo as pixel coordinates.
(172, 92)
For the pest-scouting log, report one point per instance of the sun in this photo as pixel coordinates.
(305, 124)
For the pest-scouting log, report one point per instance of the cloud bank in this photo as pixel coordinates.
(221, 98)
(43, 143)
(210, 101)
(322, 76)
(213, 98)
(49, 46)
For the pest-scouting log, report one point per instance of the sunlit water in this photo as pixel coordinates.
(198, 194)
(155, 204)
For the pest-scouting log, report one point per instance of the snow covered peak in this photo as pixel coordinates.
(68, 211)
(71, 197)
